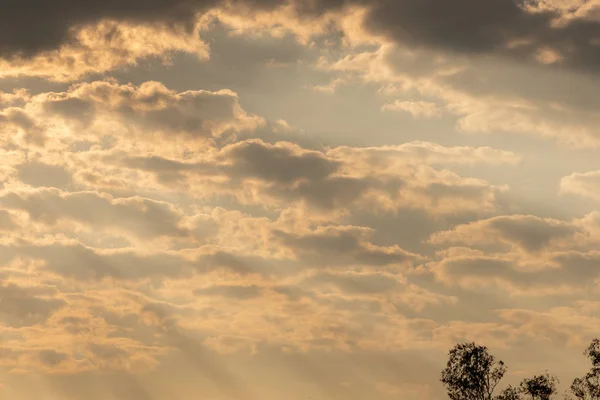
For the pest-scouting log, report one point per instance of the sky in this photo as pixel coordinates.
(302, 199)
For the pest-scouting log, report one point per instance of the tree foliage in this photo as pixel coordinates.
(588, 386)
(471, 373)
(540, 387)
(510, 393)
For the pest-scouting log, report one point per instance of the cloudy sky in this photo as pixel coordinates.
(312, 199)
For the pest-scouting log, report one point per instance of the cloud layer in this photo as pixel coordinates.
(168, 226)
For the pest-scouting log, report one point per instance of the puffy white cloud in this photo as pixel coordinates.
(418, 109)
(586, 184)
(90, 112)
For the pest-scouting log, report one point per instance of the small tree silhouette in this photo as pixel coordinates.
(540, 387)
(471, 373)
(510, 393)
(588, 387)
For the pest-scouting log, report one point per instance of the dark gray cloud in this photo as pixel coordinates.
(6, 221)
(532, 233)
(19, 121)
(82, 263)
(297, 174)
(573, 270)
(328, 194)
(287, 172)
(51, 358)
(341, 247)
(26, 306)
(31, 26)
(143, 217)
(476, 27)
(464, 26)
(39, 174)
(244, 265)
(107, 351)
(283, 164)
(230, 291)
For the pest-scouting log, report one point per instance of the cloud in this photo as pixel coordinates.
(377, 286)
(52, 358)
(55, 27)
(418, 109)
(469, 27)
(586, 184)
(483, 94)
(159, 215)
(342, 247)
(26, 306)
(152, 106)
(280, 163)
(139, 217)
(251, 170)
(482, 29)
(98, 48)
(559, 326)
(527, 232)
(233, 292)
(388, 158)
(7, 221)
(65, 347)
(144, 225)
(358, 283)
(558, 275)
(525, 254)
(336, 179)
(289, 271)
(104, 114)
(39, 174)
(17, 97)
(84, 40)
(330, 87)
(75, 261)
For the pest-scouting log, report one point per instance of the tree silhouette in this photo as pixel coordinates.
(588, 387)
(510, 393)
(471, 373)
(540, 387)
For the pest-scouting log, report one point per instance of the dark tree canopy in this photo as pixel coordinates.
(510, 393)
(540, 387)
(471, 373)
(593, 352)
(588, 387)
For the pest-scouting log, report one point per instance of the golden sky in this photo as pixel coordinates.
(303, 199)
